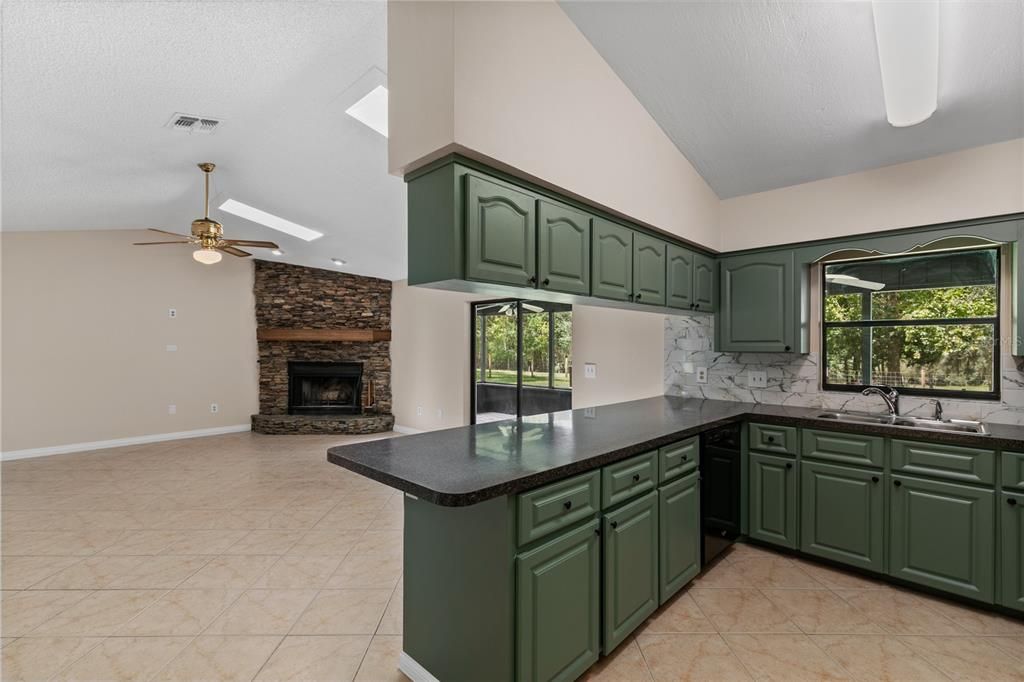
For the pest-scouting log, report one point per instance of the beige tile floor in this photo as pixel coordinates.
(246, 557)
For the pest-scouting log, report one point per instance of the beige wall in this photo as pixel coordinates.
(430, 353)
(973, 183)
(528, 91)
(85, 331)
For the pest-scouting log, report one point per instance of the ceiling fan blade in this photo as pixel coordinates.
(233, 251)
(155, 243)
(173, 234)
(251, 242)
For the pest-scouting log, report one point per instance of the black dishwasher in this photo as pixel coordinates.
(719, 489)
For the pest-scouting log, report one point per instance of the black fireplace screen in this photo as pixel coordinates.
(325, 387)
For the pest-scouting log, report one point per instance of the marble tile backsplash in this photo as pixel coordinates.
(794, 379)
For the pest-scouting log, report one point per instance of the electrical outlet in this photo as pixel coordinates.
(172, 312)
(419, 410)
(172, 409)
(214, 408)
(757, 379)
(171, 347)
(702, 375)
(589, 370)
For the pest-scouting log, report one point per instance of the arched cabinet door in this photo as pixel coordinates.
(679, 276)
(564, 251)
(501, 232)
(612, 261)
(648, 269)
(757, 303)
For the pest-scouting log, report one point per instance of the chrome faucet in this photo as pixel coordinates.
(938, 411)
(888, 394)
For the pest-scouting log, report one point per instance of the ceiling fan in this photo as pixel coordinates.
(208, 234)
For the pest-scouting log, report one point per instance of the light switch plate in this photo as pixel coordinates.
(702, 375)
(171, 348)
(589, 370)
(757, 379)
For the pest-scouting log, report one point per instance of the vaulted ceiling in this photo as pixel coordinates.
(759, 95)
(88, 87)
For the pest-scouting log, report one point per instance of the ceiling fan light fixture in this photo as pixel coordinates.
(907, 37)
(207, 256)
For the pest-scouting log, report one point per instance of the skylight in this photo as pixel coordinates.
(372, 110)
(270, 220)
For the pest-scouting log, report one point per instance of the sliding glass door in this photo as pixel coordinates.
(522, 359)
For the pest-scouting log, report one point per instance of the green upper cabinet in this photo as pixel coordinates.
(841, 511)
(630, 574)
(773, 499)
(705, 283)
(501, 229)
(612, 261)
(680, 536)
(679, 278)
(648, 269)
(1013, 551)
(757, 303)
(558, 607)
(564, 253)
(943, 535)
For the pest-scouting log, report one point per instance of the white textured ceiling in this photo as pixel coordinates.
(761, 95)
(87, 87)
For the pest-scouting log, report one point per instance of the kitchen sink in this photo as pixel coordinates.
(925, 424)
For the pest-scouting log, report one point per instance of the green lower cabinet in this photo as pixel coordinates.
(1013, 551)
(679, 535)
(630, 577)
(841, 514)
(558, 606)
(773, 499)
(943, 535)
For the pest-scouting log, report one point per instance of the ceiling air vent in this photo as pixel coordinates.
(190, 123)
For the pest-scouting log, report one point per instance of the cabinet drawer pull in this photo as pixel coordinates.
(897, 483)
(636, 478)
(771, 439)
(874, 479)
(615, 524)
(1012, 502)
(789, 465)
(567, 505)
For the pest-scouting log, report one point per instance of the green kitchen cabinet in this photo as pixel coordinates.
(757, 303)
(705, 283)
(679, 276)
(772, 504)
(630, 577)
(612, 261)
(680, 536)
(841, 514)
(1012, 593)
(564, 248)
(648, 269)
(943, 535)
(558, 606)
(501, 231)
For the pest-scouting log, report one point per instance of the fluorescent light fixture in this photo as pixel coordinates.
(372, 110)
(270, 220)
(907, 34)
(338, 261)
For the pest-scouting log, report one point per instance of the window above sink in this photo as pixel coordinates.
(925, 324)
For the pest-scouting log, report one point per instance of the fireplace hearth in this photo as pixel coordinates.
(325, 388)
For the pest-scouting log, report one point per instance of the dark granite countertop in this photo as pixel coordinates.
(470, 464)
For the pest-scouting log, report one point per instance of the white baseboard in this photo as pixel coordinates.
(121, 442)
(413, 670)
(408, 430)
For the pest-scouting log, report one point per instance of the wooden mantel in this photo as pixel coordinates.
(336, 334)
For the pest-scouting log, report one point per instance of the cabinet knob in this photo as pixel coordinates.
(787, 349)
(533, 279)
(637, 297)
(636, 478)
(567, 505)
(897, 483)
(789, 465)
(696, 305)
(685, 457)
(874, 479)
(546, 281)
(597, 531)
(1012, 502)
(615, 524)
(771, 439)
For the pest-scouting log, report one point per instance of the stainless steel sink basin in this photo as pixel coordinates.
(956, 425)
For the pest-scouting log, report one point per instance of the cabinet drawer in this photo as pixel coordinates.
(1013, 470)
(623, 480)
(951, 462)
(545, 510)
(777, 439)
(678, 459)
(843, 447)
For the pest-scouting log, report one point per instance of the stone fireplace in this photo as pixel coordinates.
(324, 351)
